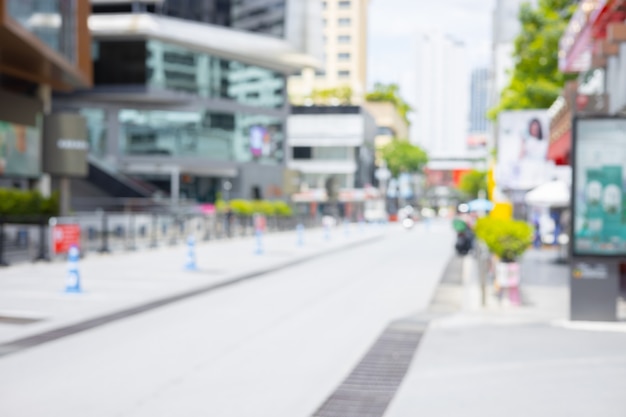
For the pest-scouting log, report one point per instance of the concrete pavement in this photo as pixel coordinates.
(33, 300)
(514, 361)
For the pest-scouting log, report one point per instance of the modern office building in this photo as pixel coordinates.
(506, 27)
(345, 53)
(191, 94)
(479, 96)
(442, 96)
(44, 47)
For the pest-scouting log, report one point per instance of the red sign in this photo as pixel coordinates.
(64, 236)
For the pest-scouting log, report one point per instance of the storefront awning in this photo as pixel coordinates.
(559, 150)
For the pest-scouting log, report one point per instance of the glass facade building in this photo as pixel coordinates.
(52, 21)
(164, 66)
(267, 16)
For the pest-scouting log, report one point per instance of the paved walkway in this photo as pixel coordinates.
(33, 300)
(515, 361)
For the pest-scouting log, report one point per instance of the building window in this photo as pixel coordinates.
(324, 5)
(343, 74)
(343, 56)
(344, 21)
(344, 4)
(320, 73)
(324, 22)
(302, 152)
(344, 39)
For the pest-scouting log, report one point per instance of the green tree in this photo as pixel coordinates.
(536, 81)
(339, 95)
(402, 156)
(390, 93)
(473, 182)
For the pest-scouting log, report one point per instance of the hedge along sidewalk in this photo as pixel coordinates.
(114, 283)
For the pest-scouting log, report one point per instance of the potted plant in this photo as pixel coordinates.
(507, 240)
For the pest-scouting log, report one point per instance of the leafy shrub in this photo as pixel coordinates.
(221, 206)
(27, 203)
(282, 209)
(263, 207)
(508, 239)
(242, 207)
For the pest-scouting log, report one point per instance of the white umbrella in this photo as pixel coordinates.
(551, 194)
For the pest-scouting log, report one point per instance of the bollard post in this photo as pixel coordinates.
(3, 262)
(72, 284)
(105, 234)
(154, 230)
(346, 228)
(191, 254)
(300, 232)
(259, 242)
(43, 247)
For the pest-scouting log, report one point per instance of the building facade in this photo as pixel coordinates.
(478, 101)
(442, 96)
(190, 95)
(331, 143)
(44, 47)
(345, 53)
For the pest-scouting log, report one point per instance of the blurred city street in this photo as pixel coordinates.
(286, 340)
(274, 346)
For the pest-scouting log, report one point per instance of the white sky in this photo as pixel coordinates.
(392, 24)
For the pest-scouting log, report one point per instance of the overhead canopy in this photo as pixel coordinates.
(551, 194)
(255, 49)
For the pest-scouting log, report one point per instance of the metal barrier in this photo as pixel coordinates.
(105, 232)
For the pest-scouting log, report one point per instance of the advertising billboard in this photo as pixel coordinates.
(20, 150)
(599, 209)
(523, 139)
(260, 141)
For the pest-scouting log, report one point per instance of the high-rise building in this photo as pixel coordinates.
(478, 101)
(506, 27)
(345, 52)
(442, 95)
(191, 94)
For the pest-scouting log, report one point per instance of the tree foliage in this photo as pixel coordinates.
(473, 182)
(402, 156)
(390, 93)
(536, 81)
(332, 96)
(508, 239)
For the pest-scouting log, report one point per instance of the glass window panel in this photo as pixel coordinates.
(344, 21)
(52, 21)
(334, 153)
(344, 4)
(212, 135)
(344, 39)
(96, 130)
(175, 68)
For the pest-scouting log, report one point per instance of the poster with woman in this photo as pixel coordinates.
(522, 149)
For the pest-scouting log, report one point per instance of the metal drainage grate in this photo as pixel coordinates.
(371, 386)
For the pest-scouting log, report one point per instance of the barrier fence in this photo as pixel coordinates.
(33, 239)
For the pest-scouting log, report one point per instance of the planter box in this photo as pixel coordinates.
(508, 274)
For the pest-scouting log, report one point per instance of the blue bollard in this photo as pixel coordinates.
(326, 232)
(191, 254)
(259, 243)
(72, 284)
(346, 228)
(300, 233)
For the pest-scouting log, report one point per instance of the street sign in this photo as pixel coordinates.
(64, 236)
